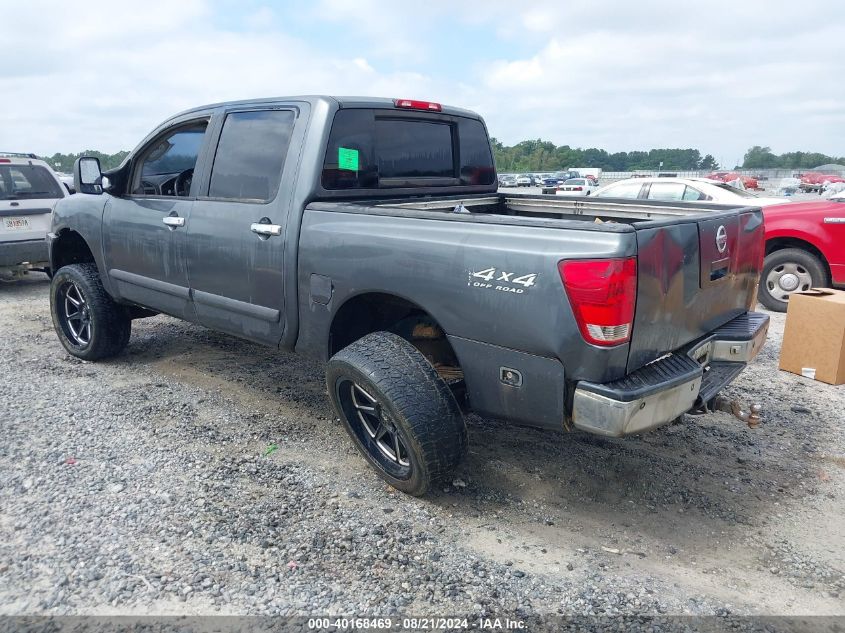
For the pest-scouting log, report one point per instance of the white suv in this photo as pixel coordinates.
(28, 191)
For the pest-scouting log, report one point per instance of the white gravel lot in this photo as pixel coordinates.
(147, 484)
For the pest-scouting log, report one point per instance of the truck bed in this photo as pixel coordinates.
(563, 207)
(697, 265)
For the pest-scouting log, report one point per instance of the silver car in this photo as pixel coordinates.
(28, 191)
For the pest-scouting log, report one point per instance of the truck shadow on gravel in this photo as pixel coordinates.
(712, 467)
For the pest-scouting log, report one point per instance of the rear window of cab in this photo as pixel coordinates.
(380, 149)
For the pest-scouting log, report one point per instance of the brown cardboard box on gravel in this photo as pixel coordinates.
(814, 335)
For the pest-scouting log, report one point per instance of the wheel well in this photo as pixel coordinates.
(374, 312)
(70, 248)
(780, 243)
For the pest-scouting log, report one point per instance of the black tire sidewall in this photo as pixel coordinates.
(416, 398)
(109, 325)
(416, 484)
(63, 275)
(794, 255)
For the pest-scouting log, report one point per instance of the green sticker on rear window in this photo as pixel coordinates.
(347, 158)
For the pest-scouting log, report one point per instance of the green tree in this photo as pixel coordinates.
(64, 162)
(708, 163)
(759, 157)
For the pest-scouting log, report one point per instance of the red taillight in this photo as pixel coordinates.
(602, 293)
(413, 104)
(577, 189)
(5, 160)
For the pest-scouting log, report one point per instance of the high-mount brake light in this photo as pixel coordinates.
(602, 293)
(413, 104)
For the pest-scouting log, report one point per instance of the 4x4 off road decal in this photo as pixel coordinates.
(503, 281)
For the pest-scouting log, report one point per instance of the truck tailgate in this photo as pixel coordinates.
(693, 276)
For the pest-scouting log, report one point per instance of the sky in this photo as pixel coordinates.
(716, 76)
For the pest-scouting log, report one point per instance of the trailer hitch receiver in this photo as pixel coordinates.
(751, 415)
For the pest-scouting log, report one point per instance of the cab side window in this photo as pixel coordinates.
(251, 155)
(166, 167)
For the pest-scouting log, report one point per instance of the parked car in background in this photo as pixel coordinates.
(584, 172)
(680, 189)
(507, 180)
(558, 178)
(29, 189)
(577, 187)
(525, 180)
(67, 181)
(748, 182)
(805, 248)
(815, 181)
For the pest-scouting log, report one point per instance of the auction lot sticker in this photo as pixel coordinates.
(347, 158)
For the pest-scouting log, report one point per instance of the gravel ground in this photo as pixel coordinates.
(199, 474)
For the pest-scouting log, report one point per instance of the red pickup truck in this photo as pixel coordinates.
(805, 248)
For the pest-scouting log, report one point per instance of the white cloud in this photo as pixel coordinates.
(619, 75)
(718, 80)
(105, 83)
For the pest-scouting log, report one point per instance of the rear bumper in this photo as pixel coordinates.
(24, 252)
(661, 391)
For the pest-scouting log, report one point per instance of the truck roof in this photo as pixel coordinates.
(340, 101)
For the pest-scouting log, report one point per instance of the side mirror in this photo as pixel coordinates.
(87, 176)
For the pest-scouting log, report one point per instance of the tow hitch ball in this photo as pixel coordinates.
(751, 417)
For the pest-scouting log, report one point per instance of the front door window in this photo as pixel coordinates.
(166, 167)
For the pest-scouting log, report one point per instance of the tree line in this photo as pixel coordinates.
(540, 156)
(543, 156)
(759, 157)
(64, 162)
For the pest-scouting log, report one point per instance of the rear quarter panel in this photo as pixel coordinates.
(442, 266)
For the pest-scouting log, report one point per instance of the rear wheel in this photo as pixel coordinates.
(399, 413)
(89, 324)
(786, 272)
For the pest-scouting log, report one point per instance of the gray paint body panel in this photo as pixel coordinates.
(430, 262)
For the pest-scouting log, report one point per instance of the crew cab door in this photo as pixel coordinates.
(238, 226)
(145, 228)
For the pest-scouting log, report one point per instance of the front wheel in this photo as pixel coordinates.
(89, 324)
(398, 411)
(786, 272)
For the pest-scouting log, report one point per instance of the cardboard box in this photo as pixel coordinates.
(814, 335)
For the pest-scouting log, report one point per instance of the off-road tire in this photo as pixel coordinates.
(416, 400)
(111, 325)
(800, 257)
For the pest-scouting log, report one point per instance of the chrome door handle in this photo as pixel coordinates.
(173, 221)
(266, 229)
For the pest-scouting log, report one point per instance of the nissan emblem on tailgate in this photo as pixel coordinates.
(721, 238)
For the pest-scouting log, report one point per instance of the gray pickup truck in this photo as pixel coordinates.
(369, 233)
